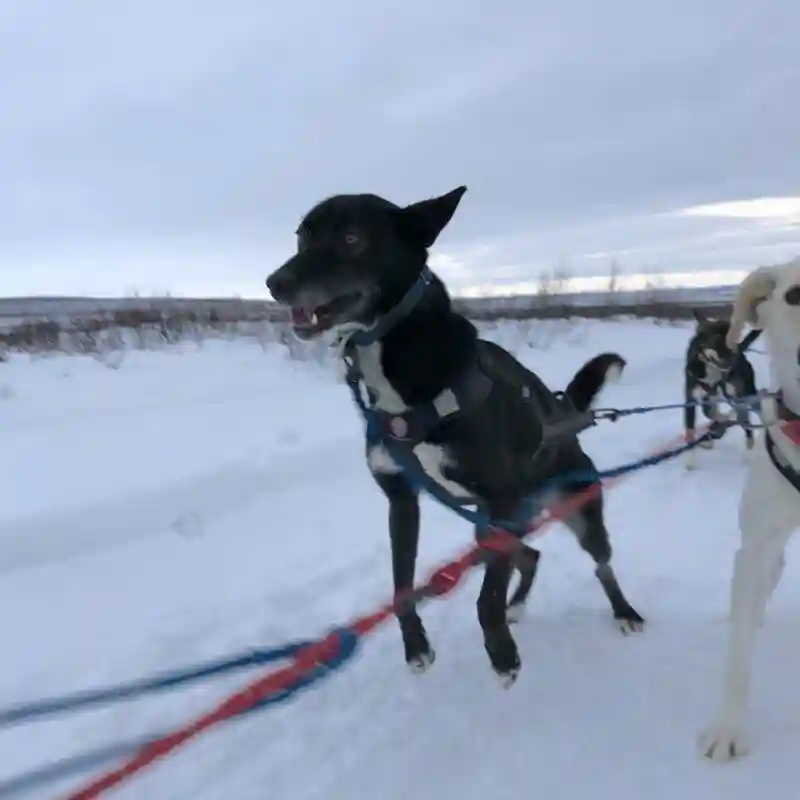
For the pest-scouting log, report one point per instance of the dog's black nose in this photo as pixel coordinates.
(792, 296)
(280, 283)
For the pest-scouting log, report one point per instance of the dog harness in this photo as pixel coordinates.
(470, 388)
(777, 457)
(401, 432)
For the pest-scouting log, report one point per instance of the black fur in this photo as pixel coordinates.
(710, 363)
(357, 257)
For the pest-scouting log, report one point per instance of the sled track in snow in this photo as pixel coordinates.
(189, 506)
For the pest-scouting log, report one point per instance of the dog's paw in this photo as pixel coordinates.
(750, 443)
(503, 655)
(707, 444)
(629, 620)
(628, 626)
(507, 679)
(420, 663)
(514, 613)
(722, 743)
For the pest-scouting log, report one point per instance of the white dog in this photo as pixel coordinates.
(769, 510)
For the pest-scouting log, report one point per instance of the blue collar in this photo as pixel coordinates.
(364, 338)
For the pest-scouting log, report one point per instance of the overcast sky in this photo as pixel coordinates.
(174, 144)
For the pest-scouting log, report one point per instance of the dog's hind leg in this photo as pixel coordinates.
(498, 641)
(492, 610)
(743, 418)
(743, 413)
(589, 527)
(527, 563)
(404, 536)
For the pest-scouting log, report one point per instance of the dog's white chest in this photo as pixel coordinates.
(432, 458)
(369, 362)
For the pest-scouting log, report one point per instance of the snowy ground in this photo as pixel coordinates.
(195, 502)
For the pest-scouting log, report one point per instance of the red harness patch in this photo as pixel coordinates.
(791, 430)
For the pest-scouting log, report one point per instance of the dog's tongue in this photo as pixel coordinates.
(302, 317)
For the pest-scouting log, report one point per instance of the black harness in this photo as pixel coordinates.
(469, 389)
(401, 432)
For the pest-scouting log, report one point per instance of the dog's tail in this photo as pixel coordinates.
(592, 377)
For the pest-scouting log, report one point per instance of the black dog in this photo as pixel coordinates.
(714, 373)
(494, 435)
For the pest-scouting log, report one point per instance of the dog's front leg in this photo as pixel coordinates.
(766, 518)
(492, 615)
(404, 536)
(752, 584)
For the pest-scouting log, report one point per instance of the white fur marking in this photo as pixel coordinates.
(380, 462)
(433, 460)
(614, 373)
(369, 360)
(508, 679)
(422, 663)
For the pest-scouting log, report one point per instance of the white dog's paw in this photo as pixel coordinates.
(707, 444)
(722, 743)
(514, 613)
(689, 460)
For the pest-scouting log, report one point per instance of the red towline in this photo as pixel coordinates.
(441, 582)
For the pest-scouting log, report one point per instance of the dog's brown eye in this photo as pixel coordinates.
(351, 238)
(792, 296)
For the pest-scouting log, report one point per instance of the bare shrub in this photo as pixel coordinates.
(109, 335)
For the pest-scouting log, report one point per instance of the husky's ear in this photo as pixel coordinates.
(755, 288)
(421, 223)
(700, 317)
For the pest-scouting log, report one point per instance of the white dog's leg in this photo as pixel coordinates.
(750, 590)
(767, 517)
(774, 578)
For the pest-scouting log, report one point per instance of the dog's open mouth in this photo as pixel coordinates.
(311, 321)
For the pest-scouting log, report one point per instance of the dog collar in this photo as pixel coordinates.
(368, 336)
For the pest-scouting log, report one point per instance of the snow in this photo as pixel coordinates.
(195, 502)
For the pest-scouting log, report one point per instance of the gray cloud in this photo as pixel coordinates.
(185, 139)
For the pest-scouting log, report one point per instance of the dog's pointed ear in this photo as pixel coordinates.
(422, 222)
(699, 316)
(754, 289)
